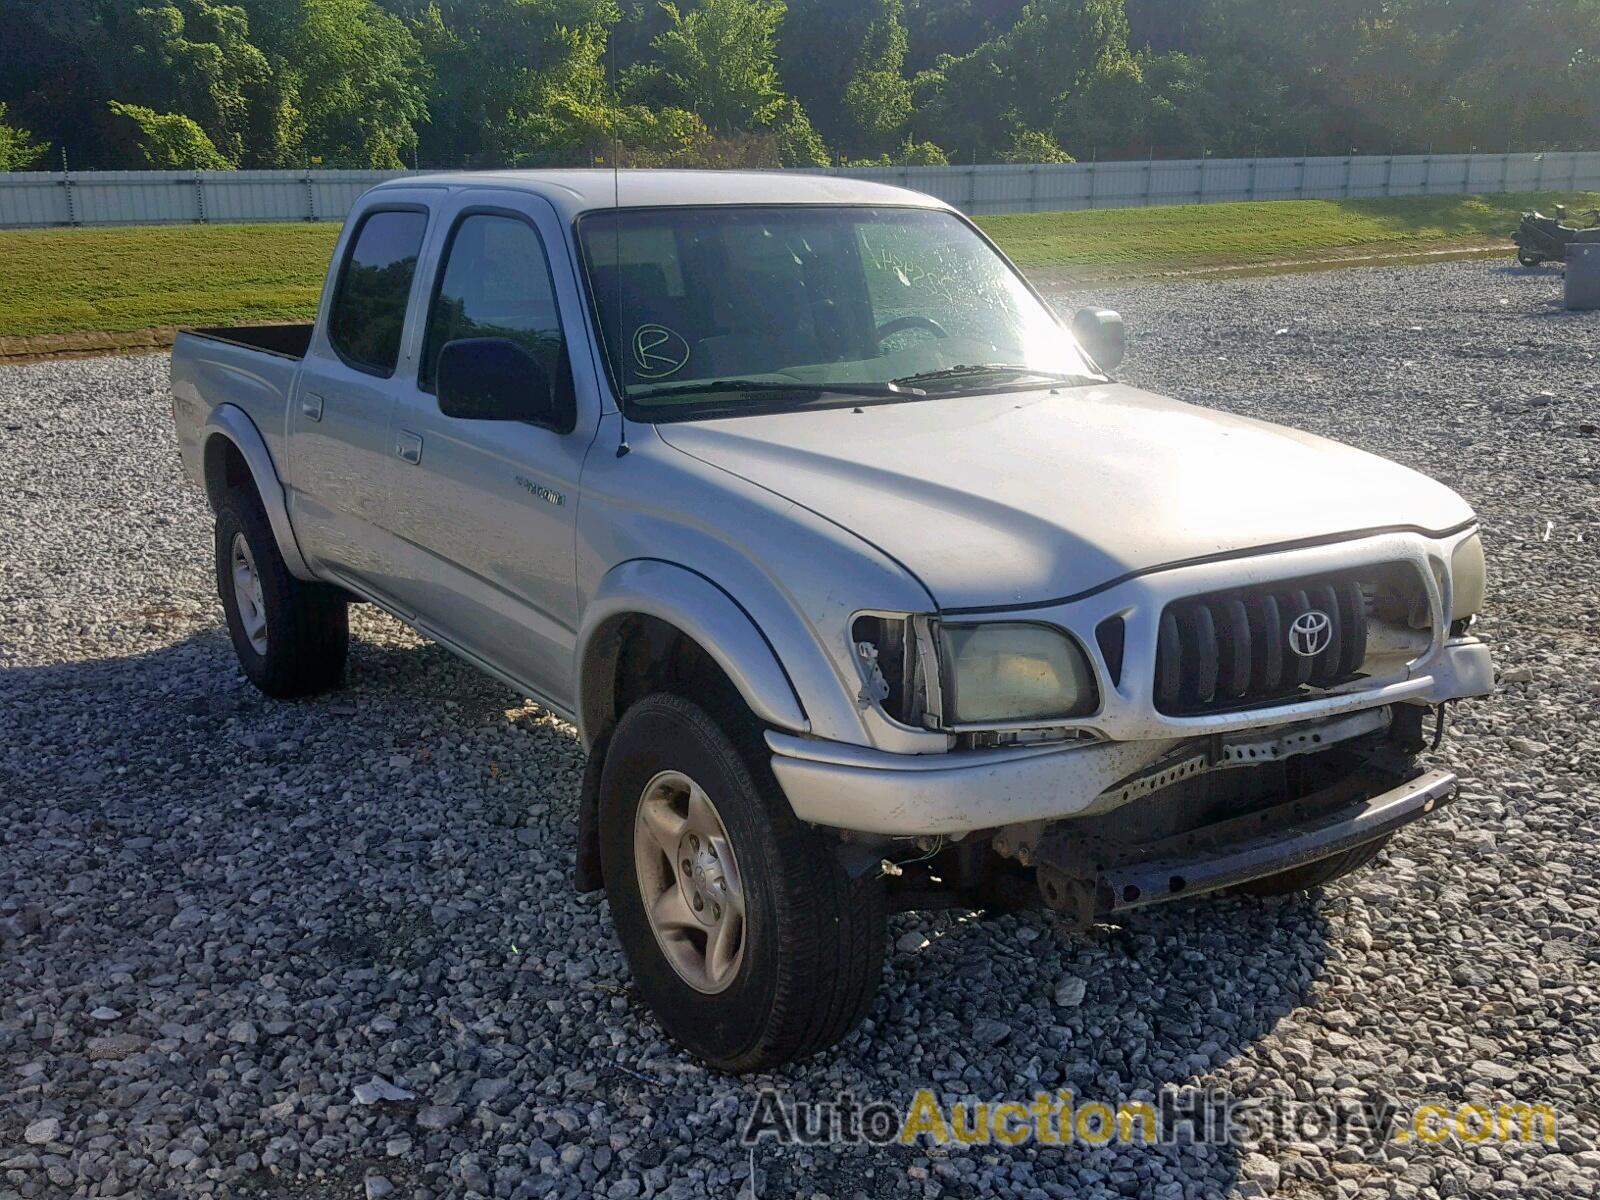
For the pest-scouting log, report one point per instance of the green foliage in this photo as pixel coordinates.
(718, 60)
(879, 102)
(1031, 146)
(920, 154)
(799, 145)
(565, 82)
(527, 83)
(840, 60)
(1038, 75)
(515, 83)
(197, 59)
(878, 98)
(357, 74)
(18, 150)
(172, 141)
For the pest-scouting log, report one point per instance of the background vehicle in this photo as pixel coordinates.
(863, 583)
(1545, 239)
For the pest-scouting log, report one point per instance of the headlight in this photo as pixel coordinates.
(1013, 671)
(1467, 579)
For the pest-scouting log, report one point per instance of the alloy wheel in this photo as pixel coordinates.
(689, 881)
(247, 594)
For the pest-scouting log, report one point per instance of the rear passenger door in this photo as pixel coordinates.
(486, 509)
(339, 451)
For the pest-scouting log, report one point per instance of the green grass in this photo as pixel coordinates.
(1211, 235)
(123, 280)
(139, 277)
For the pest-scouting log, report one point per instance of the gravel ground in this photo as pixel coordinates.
(322, 949)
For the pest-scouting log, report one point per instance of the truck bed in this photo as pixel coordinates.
(252, 368)
(290, 341)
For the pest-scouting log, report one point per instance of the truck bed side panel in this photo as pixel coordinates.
(208, 371)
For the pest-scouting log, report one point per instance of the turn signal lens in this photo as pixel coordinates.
(1468, 579)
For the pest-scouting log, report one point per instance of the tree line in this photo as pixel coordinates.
(475, 83)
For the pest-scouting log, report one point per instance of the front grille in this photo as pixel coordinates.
(1238, 648)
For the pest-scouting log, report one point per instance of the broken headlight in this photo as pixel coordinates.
(1005, 673)
(898, 671)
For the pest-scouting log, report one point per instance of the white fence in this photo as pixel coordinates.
(44, 198)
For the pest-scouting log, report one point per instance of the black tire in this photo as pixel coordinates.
(814, 939)
(1529, 259)
(1315, 874)
(307, 624)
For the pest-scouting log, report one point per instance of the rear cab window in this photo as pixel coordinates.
(368, 313)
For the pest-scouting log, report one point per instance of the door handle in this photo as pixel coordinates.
(408, 446)
(311, 406)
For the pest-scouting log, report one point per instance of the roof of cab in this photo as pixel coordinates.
(585, 190)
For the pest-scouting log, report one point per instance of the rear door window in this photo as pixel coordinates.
(369, 306)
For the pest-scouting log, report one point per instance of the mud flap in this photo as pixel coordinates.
(587, 875)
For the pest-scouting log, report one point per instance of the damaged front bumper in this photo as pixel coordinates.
(1093, 879)
(890, 795)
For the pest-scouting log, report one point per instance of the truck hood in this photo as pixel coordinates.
(1028, 497)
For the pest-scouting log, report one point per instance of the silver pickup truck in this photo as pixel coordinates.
(864, 584)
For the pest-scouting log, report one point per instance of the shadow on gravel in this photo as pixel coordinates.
(1176, 993)
(241, 796)
(185, 696)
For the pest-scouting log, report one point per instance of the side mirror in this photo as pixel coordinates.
(1100, 332)
(494, 379)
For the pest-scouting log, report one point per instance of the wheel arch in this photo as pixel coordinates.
(664, 607)
(655, 625)
(235, 453)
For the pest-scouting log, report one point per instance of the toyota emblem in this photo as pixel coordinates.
(1310, 633)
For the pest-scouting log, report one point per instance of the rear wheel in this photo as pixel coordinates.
(1528, 258)
(745, 935)
(1315, 874)
(292, 637)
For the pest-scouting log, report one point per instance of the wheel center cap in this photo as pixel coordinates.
(700, 878)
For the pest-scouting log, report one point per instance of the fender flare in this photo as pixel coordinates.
(233, 424)
(702, 610)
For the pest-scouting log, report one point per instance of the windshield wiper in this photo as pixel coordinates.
(978, 370)
(769, 386)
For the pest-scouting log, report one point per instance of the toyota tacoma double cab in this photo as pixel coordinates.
(865, 584)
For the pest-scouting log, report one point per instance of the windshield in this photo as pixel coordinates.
(720, 311)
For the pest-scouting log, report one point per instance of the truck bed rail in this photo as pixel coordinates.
(288, 341)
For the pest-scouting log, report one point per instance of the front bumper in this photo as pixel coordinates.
(908, 795)
(1349, 814)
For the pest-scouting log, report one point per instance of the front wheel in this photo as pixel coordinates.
(1528, 258)
(745, 935)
